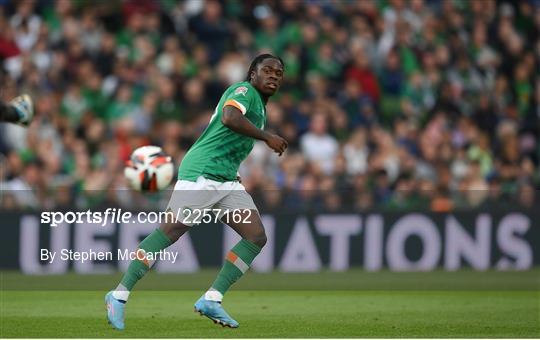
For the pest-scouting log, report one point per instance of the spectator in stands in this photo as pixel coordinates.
(318, 146)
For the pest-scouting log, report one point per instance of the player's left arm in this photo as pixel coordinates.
(233, 118)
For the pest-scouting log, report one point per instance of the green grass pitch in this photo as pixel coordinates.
(351, 304)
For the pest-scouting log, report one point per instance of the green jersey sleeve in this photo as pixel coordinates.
(241, 98)
(218, 152)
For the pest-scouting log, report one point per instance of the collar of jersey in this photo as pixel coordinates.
(254, 88)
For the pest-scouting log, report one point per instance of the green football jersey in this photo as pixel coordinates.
(218, 152)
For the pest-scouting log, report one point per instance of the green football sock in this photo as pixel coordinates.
(154, 242)
(237, 262)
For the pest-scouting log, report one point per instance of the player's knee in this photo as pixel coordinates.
(259, 239)
(168, 229)
(173, 230)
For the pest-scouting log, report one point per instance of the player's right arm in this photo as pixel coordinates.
(236, 121)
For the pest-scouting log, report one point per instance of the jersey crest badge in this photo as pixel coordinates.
(241, 90)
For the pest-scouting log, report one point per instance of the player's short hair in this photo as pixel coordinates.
(258, 60)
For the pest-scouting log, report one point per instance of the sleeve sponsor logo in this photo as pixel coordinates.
(241, 90)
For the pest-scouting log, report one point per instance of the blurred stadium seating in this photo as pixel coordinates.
(387, 104)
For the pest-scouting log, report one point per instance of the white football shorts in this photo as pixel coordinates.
(193, 203)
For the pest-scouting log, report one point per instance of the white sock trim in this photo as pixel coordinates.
(121, 293)
(213, 295)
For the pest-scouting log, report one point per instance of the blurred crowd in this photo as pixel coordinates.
(397, 104)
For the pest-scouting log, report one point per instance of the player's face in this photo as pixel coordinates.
(268, 76)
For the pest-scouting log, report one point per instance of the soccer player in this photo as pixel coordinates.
(208, 179)
(20, 110)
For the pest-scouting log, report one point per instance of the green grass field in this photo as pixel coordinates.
(351, 304)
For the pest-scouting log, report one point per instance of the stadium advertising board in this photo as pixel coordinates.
(296, 243)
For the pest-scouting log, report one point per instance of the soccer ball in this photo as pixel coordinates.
(149, 169)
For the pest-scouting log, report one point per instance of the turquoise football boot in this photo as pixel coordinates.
(215, 312)
(115, 311)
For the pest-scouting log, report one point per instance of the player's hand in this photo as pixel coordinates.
(276, 143)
